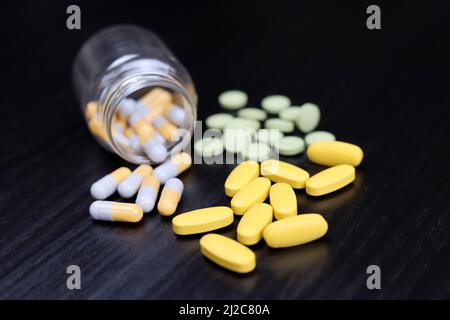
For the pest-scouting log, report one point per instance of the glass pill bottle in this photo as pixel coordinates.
(138, 100)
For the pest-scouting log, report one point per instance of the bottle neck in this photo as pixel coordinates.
(128, 84)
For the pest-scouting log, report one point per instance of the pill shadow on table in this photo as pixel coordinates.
(299, 259)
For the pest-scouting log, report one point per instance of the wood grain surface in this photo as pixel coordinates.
(385, 90)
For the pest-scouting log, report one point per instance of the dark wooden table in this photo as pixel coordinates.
(385, 90)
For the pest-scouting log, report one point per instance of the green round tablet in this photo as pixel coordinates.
(218, 120)
(269, 136)
(235, 140)
(241, 123)
(257, 151)
(274, 104)
(233, 99)
(309, 117)
(279, 124)
(209, 147)
(291, 113)
(317, 136)
(253, 113)
(291, 146)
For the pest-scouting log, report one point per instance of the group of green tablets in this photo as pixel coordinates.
(257, 133)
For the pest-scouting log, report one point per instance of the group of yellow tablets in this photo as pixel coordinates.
(249, 185)
(144, 126)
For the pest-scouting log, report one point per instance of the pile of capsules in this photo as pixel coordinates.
(144, 126)
(146, 183)
(249, 185)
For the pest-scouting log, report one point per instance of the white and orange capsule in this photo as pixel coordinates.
(146, 197)
(173, 167)
(107, 185)
(149, 113)
(95, 124)
(120, 137)
(142, 127)
(176, 115)
(170, 196)
(126, 108)
(155, 150)
(164, 127)
(115, 211)
(133, 140)
(130, 185)
(157, 97)
(91, 109)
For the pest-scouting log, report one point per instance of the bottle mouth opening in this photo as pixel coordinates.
(171, 119)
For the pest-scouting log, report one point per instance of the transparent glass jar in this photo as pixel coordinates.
(126, 66)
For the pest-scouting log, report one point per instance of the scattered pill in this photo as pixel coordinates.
(241, 175)
(255, 219)
(255, 191)
(202, 220)
(274, 104)
(146, 197)
(130, 185)
(236, 140)
(270, 136)
(115, 211)
(309, 117)
(252, 113)
(170, 196)
(241, 123)
(165, 128)
(233, 99)
(228, 253)
(257, 151)
(280, 171)
(331, 153)
(295, 230)
(319, 136)
(283, 200)
(218, 120)
(279, 124)
(107, 185)
(330, 180)
(176, 115)
(291, 146)
(291, 113)
(209, 146)
(173, 167)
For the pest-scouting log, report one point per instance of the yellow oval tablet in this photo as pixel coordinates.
(330, 180)
(202, 220)
(279, 171)
(332, 153)
(283, 200)
(295, 230)
(240, 176)
(255, 191)
(228, 253)
(250, 228)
